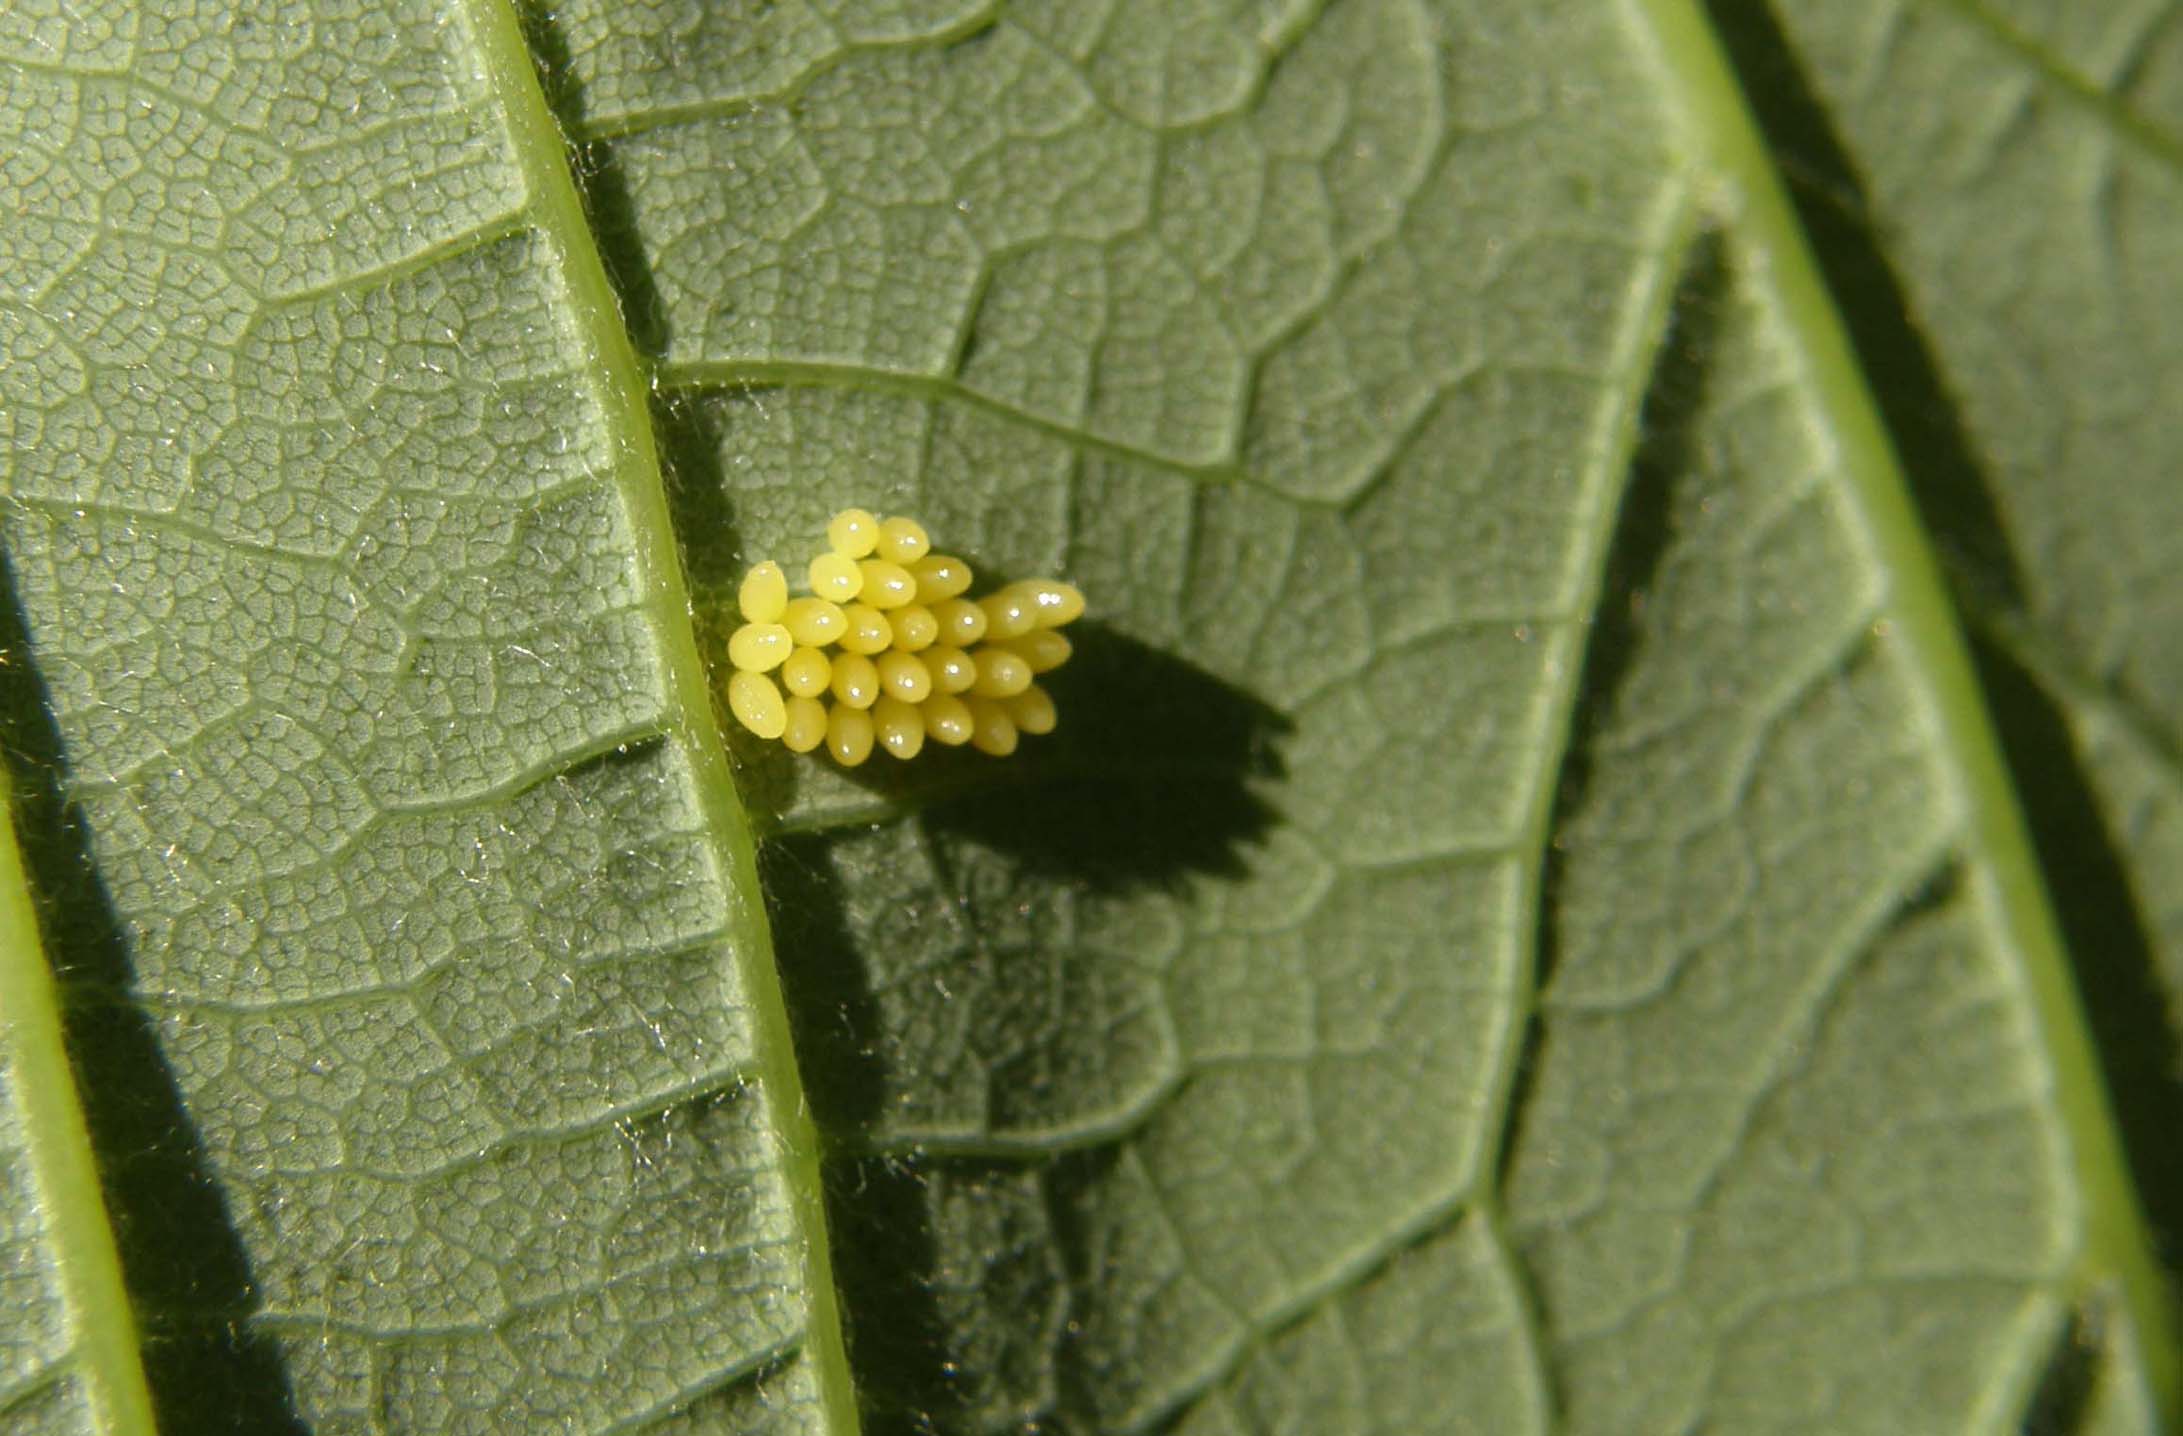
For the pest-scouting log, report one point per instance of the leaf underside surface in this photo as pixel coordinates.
(1611, 862)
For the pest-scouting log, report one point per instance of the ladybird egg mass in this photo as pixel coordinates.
(885, 652)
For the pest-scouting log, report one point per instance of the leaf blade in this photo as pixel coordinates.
(2120, 1242)
(692, 717)
(400, 812)
(1179, 1064)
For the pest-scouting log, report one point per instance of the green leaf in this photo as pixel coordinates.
(1603, 523)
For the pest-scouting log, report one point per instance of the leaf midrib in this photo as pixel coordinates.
(86, 1262)
(541, 153)
(1724, 137)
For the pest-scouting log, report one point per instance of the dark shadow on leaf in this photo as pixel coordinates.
(184, 1264)
(1079, 1185)
(1153, 778)
(688, 427)
(608, 204)
(2063, 1397)
(1903, 374)
(2104, 930)
(1670, 446)
(879, 1223)
(879, 1220)
(825, 981)
(1157, 774)
(2081, 859)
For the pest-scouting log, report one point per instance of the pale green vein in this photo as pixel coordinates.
(623, 124)
(2068, 83)
(1614, 446)
(59, 1149)
(1530, 1321)
(17, 1399)
(1256, 1332)
(1093, 1132)
(677, 1403)
(1646, 326)
(515, 1314)
(802, 374)
(2061, 677)
(441, 250)
(919, 793)
(597, 327)
(1724, 134)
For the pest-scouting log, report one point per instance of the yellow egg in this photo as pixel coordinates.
(764, 593)
(1051, 602)
(836, 577)
(806, 726)
(908, 665)
(887, 585)
(947, 720)
(952, 669)
(899, 727)
(865, 629)
(904, 676)
(852, 533)
(806, 673)
(1042, 648)
(856, 680)
(939, 575)
(903, 541)
(759, 647)
(1032, 710)
(814, 622)
(1008, 614)
(991, 729)
(915, 629)
(756, 704)
(849, 736)
(1001, 674)
(962, 622)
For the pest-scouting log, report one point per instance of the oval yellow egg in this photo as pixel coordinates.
(806, 725)
(915, 629)
(904, 676)
(1032, 710)
(849, 736)
(1042, 648)
(991, 729)
(865, 629)
(952, 670)
(814, 622)
(917, 658)
(1001, 674)
(856, 680)
(1007, 614)
(806, 673)
(947, 719)
(962, 622)
(759, 647)
(757, 705)
(852, 533)
(899, 727)
(835, 576)
(764, 593)
(940, 575)
(903, 540)
(1051, 602)
(887, 585)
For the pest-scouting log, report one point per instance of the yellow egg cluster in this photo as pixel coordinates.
(888, 636)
